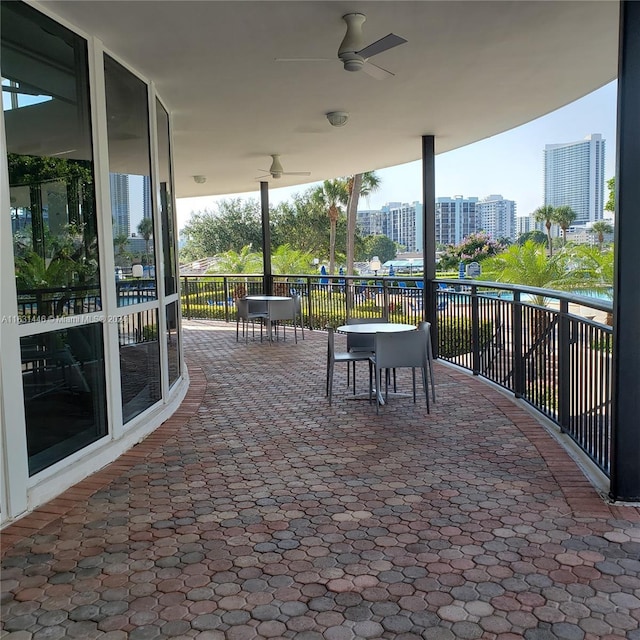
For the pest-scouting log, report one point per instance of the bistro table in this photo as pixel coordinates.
(373, 328)
(269, 300)
(376, 327)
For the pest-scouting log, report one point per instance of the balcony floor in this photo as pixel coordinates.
(258, 511)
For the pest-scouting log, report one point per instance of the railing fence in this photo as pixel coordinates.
(537, 343)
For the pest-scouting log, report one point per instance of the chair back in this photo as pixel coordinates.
(361, 341)
(258, 307)
(242, 308)
(404, 349)
(331, 349)
(297, 304)
(281, 310)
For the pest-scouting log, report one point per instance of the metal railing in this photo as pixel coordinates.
(543, 345)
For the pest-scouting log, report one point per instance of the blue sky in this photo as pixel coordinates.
(510, 163)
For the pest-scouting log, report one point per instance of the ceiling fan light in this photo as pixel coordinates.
(353, 64)
(337, 118)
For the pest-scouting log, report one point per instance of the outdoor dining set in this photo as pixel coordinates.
(385, 346)
(270, 311)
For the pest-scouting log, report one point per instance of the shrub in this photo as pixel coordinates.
(455, 336)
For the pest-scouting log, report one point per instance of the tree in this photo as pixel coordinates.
(537, 236)
(287, 260)
(563, 216)
(302, 224)
(145, 229)
(244, 261)
(361, 184)
(477, 247)
(611, 202)
(231, 226)
(329, 197)
(592, 269)
(545, 214)
(120, 243)
(382, 246)
(528, 265)
(600, 227)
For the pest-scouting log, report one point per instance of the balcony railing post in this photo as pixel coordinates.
(309, 304)
(475, 330)
(186, 298)
(518, 364)
(225, 292)
(385, 300)
(564, 368)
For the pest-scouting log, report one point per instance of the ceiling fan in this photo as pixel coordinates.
(352, 54)
(276, 171)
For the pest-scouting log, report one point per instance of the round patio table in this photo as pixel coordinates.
(376, 327)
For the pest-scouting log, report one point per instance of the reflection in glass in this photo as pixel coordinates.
(166, 201)
(139, 362)
(64, 392)
(130, 183)
(45, 99)
(173, 342)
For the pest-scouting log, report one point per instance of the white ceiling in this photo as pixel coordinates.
(470, 70)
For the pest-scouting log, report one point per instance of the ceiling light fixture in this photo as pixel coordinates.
(337, 118)
(199, 179)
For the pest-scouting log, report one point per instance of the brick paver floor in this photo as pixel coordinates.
(258, 511)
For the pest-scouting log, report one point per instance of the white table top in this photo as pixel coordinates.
(267, 298)
(376, 327)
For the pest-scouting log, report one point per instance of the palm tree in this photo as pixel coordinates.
(361, 184)
(592, 270)
(600, 227)
(563, 216)
(246, 261)
(119, 244)
(528, 265)
(330, 196)
(285, 259)
(545, 214)
(145, 229)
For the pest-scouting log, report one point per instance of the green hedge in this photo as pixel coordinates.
(455, 336)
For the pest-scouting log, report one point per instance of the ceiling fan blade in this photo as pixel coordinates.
(304, 59)
(377, 72)
(296, 173)
(384, 44)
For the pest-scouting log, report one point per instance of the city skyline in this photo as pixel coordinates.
(510, 163)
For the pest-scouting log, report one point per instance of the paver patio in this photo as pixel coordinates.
(258, 511)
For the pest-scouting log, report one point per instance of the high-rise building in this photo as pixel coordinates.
(524, 224)
(456, 218)
(403, 224)
(497, 216)
(120, 212)
(146, 197)
(370, 222)
(574, 176)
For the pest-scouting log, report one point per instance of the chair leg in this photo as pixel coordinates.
(330, 382)
(413, 380)
(378, 387)
(430, 363)
(425, 385)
